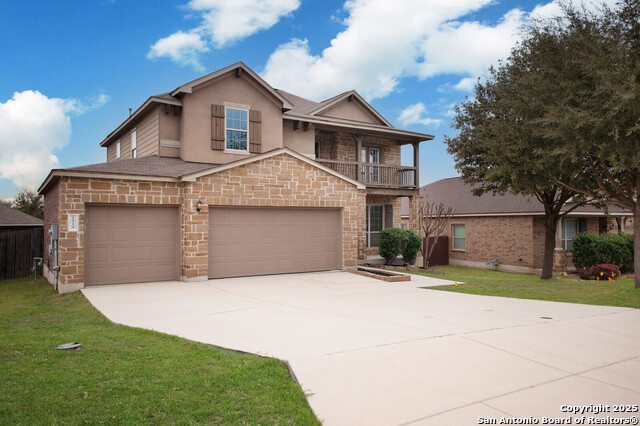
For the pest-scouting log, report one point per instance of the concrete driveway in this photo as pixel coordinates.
(370, 352)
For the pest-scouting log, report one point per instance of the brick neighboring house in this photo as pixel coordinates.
(510, 228)
(226, 176)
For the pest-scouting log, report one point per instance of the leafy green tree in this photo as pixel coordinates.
(30, 202)
(589, 64)
(499, 150)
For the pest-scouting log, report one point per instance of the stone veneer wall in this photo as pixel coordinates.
(280, 181)
(342, 147)
(75, 192)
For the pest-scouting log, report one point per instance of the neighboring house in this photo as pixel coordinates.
(13, 220)
(508, 230)
(226, 176)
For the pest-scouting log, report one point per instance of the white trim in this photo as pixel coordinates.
(19, 224)
(168, 143)
(134, 141)
(192, 177)
(236, 106)
(248, 141)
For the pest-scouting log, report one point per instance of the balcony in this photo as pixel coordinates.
(375, 175)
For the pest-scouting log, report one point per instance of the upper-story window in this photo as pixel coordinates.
(237, 129)
(134, 144)
(118, 150)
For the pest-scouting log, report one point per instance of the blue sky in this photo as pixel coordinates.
(70, 70)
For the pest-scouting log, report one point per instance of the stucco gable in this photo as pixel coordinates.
(351, 110)
(267, 155)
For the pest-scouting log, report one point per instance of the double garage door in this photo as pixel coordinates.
(127, 244)
(260, 241)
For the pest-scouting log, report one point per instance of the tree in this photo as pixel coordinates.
(499, 149)
(30, 202)
(590, 62)
(6, 203)
(432, 221)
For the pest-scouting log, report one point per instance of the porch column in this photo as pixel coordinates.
(416, 163)
(559, 234)
(358, 139)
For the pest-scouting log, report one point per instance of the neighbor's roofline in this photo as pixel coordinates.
(132, 117)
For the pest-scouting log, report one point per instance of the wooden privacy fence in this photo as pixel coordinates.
(440, 254)
(17, 250)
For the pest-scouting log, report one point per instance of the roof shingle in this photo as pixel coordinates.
(146, 166)
(13, 217)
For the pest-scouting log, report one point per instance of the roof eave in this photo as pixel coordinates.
(329, 122)
(188, 87)
(136, 113)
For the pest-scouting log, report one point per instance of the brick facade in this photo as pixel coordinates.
(279, 181)
(518, 241)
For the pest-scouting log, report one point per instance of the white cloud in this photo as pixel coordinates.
(414, 114)
(385, 41)
(32, 128)
(466, 84)
(182, 48)
(222, 22)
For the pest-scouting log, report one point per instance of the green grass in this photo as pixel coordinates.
(126, 375)
(492, 283)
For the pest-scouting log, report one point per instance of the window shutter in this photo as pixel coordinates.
(217, 127)
(582, 225)
(388, 216)
(255, 131)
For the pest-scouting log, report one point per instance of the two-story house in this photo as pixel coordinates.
(226, 176)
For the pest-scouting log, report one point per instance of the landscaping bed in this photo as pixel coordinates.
(620, 292)
(126, 375)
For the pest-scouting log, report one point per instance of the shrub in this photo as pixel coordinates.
(604, 271)
(412, 245)
(391, 244)
(590, 250)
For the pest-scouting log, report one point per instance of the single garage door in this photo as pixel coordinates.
(260, 241)
(131, 244)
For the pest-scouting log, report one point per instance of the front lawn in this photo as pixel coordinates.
(126, 375)
(492, 283)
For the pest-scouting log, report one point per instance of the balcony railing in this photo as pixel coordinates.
(374, 174)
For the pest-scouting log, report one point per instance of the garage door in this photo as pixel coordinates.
(261, 241)
(127, 244)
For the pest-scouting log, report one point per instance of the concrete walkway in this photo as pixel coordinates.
(370, 352)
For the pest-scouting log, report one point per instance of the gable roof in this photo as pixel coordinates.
(307, 110)
(239, 68)
(302, 106)
(269, 154)
(168, 169)
(14, 217)
(455, 193)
